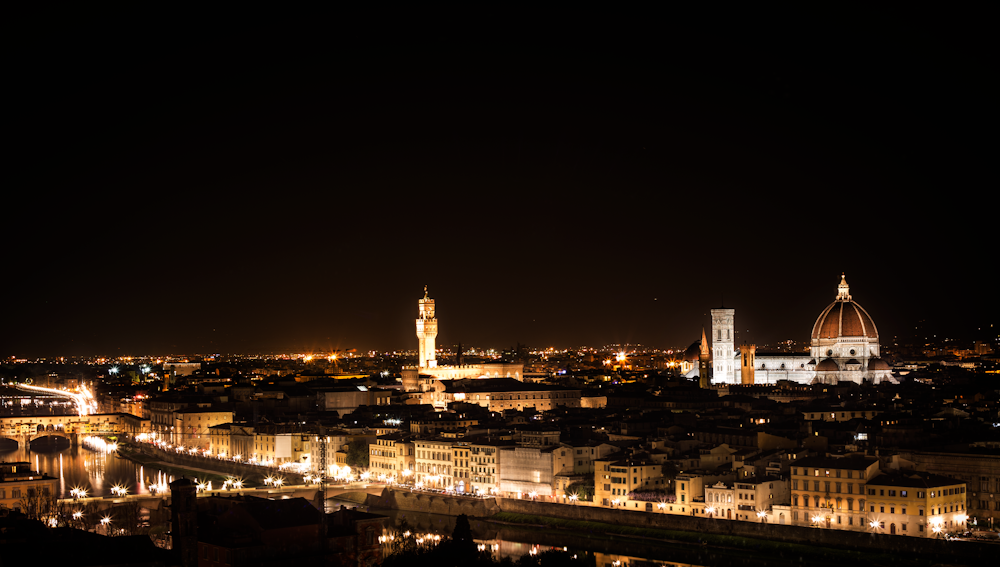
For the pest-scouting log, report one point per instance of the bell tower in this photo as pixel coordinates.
(723, 341)
(427, 330)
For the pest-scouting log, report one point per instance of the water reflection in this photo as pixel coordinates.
(94, 471)
(516, 541)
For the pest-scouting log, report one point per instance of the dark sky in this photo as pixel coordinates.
(235, 197)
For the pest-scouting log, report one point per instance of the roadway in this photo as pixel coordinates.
(84, 400)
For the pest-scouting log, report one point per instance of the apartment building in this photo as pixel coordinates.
(830, 492)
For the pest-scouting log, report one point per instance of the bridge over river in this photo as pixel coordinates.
(356, 492)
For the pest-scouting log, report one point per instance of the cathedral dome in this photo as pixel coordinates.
(844, 318)
(693, 352)
(878, 364)
(827, 365)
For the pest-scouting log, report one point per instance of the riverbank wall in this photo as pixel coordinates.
(883, 543)
(433, 503)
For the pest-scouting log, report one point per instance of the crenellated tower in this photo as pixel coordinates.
(427, 330)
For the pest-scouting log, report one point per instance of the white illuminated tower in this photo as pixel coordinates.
(427, 330)
(723, 340)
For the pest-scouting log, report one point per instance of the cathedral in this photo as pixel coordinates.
(843, 347)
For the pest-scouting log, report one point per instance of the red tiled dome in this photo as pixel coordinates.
(878, 364)
(844, 319)
(693, 352)
(827, 365)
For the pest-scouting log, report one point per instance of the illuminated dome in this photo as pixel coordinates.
(845, 336)
(827, 365)
(878, 364)
(844, 318)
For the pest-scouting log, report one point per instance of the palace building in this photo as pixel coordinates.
(427, 373)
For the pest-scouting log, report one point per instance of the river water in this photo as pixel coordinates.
(79, 467)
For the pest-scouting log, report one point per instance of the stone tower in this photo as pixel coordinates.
(747, 353)
(427, 330)
(723, 351)
(704, 363)
(184, 521)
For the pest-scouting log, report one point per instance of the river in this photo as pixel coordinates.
(79, 467)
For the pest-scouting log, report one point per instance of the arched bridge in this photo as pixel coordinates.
(25, 429)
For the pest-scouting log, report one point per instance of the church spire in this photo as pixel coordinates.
(843, 290)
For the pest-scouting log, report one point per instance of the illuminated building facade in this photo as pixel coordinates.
(19, 485)
(831, 492)
(916, 504)
(433, 462)
(391, 454)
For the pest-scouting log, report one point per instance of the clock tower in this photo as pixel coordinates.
(427, 330)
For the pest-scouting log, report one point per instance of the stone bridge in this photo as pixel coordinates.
(159, 505)
(25, 438)
(25, 429)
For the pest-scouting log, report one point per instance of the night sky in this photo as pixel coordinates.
(232, 198)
